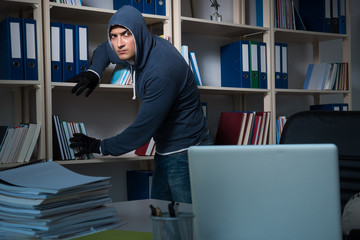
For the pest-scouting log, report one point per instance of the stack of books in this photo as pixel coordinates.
(243, 128)
(17, 143)
(63, 131)
(44, 200)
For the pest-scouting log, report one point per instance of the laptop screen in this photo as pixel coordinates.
(266, 192)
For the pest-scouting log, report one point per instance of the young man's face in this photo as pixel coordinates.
(123, 43)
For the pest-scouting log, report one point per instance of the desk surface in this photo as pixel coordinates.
(135, 220)
(136, 214)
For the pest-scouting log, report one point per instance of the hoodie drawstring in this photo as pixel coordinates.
(132, 72)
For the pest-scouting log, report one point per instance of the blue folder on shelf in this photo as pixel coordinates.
(342, 16)
(284, 66)
(316, 15)
(148, 6)
(138, 4)
(30, 49)
(259, 13)
(11, 50)
(278, 65)
(68, 37)
(335, 16)
(160, 7)
(81, 49)
(56, 52)
(254, 64)
(235, 66)
(262, 65)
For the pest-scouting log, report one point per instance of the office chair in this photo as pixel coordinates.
(339, 127)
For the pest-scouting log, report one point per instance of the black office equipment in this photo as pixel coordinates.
(338, 127)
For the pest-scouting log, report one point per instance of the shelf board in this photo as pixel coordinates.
(288, 35)
(108, 159)
(202, 89)
(309, 92)
(7, 7)
(231, 90)
(18, 83)
(86, 15)
(102, 86)
(220, 29)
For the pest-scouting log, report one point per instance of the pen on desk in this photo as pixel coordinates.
(171, 209)
(158, 212)
(153, 210)
(176, 208)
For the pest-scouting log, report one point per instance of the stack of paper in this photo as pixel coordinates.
(47, 201)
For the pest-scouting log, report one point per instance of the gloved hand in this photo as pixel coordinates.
(85, 144)
(84, 80)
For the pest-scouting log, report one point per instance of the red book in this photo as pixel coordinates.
(229, 128)
(147, 149)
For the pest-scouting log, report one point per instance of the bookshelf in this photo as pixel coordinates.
(23, 100)
(40, 99)
(189, 29)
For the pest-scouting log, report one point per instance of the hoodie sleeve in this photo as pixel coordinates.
(103, 55)
(151, 115)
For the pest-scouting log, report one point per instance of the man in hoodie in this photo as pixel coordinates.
(170, 109)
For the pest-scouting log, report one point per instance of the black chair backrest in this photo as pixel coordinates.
(339, 127)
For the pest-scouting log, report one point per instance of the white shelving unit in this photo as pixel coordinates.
(27, 96)
(185, 27)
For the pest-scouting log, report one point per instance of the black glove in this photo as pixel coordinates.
(85, 144)
(84, 80)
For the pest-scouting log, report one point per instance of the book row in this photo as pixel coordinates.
(320, 16)
(17, 143)
(69, 50)
(18, 49)
(243, 128)
(327, 76)
(63, 131)
(190, 58)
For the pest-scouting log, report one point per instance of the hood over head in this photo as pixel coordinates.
(130, 18)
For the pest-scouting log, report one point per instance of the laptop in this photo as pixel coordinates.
(266, 192)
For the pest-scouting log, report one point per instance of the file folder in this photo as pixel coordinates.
(30, 49)
(68, 35)
(335, 16)
(254, 65)
(81, 49)
(149, 6)
(342, 16)
(262, 65)
(160, 7)
(259, 13)
(316, 15)
(56, 52)
(278, 65)
(11, 49)
(138, 4)
(284, 65)
(235, 66)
